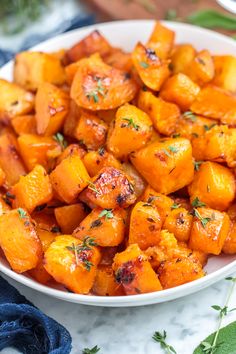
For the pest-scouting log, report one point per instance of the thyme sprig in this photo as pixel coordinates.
(161, 338)
(131, 123)
(79, 250)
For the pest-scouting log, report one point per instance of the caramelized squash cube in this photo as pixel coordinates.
(161, 202)
(225, 72)
(181, 56)
(25, 124)
(230, 242)
(161, 40)
(32, 190)
(105, 284)
(70, 216)
(201, 70)
(69, 178)
(167, 165)
(179, 222)
(94, 161)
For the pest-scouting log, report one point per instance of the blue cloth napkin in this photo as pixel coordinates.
(26, 328)
(78, 21)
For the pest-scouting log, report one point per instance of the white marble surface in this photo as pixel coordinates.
(129, 330)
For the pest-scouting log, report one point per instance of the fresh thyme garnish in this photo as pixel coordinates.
(107, 213)
(190, 115)
(93, 350)
(204, 221)
(210, 348)
(99, 90)
(197, 165)
(131, 123)
(55, 229)
(176, 135)
(22, 213)
(196, 203)
(143, 64)
(93, 188)
(175, 206)
(161, 338)
(173, 149)
(101, 151)
(79, 251)
(61, 140)
(209, 127)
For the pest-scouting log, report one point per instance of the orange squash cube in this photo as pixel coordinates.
(71, 119)
(181, 90)
(214, 185)
(32, 190)
(209, 231)
(225, 71)
(179, 222)
(91, 131)
(130, 131)
(139, 183)
(67, 262)
(98, 86)
(72, 149)
(10, 160)
(24, 124)
(217, 103)
(14, 101)
(151, 69)
(161, 202)
(110, 189)
(230, 242)
(51, 106)
(38, 150)
(164, 115)
(201, 70)
(105, 284)
(34, 68)
(105, 226)
(69, 178)
(134, 272)
(145, 226)
(19, 240)
(69, 216)
(94, 161)
(167, 165)
(92, 43)
(179, 271)
(161, 40)
(181, 56)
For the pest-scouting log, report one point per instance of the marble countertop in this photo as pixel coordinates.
(187, 321)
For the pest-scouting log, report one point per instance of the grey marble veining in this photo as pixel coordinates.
(129, 330)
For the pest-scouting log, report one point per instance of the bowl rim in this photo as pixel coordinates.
(127, 300)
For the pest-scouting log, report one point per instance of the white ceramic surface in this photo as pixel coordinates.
(125, 34)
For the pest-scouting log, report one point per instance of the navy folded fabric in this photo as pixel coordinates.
(26, 328)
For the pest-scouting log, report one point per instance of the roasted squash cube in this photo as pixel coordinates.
(215, 102)
(10, 160)
(179, 271)
(225, 72)
(14, 101)
(230, 242)
(98, 86)
(179, 222)
(161, 202)
(52, 106)
(161, 40)
(19, 240)
(145, 226)
(164, 115)
(110, 189)
(181, 90)
(92, 43)
(167, 165)
(94, 161)
(119, 60)
(69, 178)
(72, 149)
(201, 70)
(71, 119)
(139, 183)
(68, 263)
(130, 131)
(33, 68)
(69, 216)
(151, 69)
(38, 150)
(91, 131)
(105, 284)
(134, 272)
(181, 56)
(24, 124)
(32, 190)
(214, 185)
(209, 231)
(105, 226)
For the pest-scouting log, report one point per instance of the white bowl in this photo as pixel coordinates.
(125, 34)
